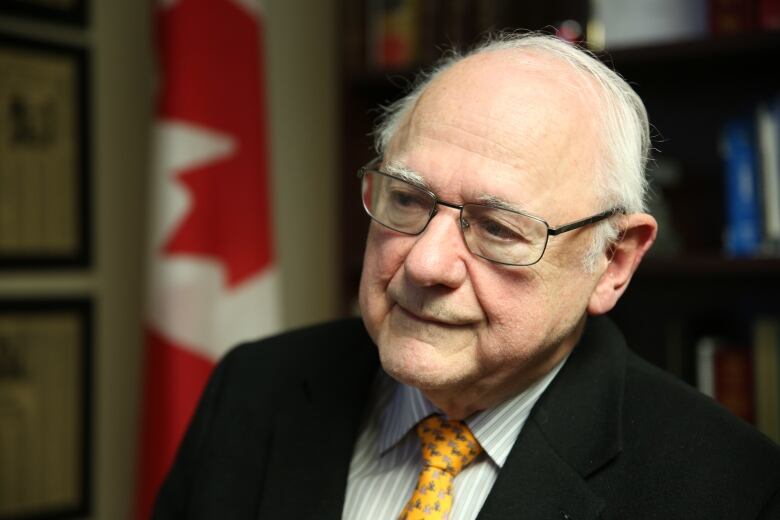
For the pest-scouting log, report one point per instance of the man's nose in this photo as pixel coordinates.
(439, 252)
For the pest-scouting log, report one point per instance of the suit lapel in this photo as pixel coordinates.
(572, 432)
(536, 483)
(314, 433)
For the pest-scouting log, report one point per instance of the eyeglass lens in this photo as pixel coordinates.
(493, 233)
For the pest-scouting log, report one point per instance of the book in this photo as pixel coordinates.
(731, 16)
(768, 14)
(393, 30)
(768, 135)
(705, 365)
(724, 371)
(744, 220)
(739, 16)
(766, 367)
(625, 23)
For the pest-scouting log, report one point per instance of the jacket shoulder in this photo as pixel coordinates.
(305, 348)
(691, 444)
(674, 407)
(259, 372)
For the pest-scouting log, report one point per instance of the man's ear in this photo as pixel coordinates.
(624, 256)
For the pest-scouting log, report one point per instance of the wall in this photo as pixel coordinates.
(301, 53)
(302, 72)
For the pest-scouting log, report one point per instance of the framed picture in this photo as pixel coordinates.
(68, 11)
(44, 155)
(45, 374)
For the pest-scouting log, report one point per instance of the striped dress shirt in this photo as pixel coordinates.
(386, 460)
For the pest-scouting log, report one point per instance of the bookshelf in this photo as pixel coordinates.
(683, 291)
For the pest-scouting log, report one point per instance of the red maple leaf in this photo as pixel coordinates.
(214, 77)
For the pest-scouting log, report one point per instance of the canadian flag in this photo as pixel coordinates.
(212, 282)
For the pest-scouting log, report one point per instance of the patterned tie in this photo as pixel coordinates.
(447, 448)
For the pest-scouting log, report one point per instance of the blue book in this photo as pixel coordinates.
(743, 201)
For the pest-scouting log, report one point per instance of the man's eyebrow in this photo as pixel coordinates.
(401, 171)
(398, 169)
(497, 202)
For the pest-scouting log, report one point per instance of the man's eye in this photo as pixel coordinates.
(495, 230)
(407, 200)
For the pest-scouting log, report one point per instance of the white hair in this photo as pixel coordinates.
(620, 170)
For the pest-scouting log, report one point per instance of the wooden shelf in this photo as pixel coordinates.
(756, 45)
(752, 48)
(698, 267)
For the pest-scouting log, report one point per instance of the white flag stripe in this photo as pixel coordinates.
(191, 305)
(180, 146)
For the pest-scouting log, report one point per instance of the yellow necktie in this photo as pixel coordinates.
(447, 448)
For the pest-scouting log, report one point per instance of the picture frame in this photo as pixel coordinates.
(73, 12)
(44, 155)
(45, 407)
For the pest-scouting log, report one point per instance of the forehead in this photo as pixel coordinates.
(524, 125)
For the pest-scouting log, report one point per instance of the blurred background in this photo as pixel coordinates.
(135, 138)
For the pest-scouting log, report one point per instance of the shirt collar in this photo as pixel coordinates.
(496, 428)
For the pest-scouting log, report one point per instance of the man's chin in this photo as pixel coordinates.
(417, 363)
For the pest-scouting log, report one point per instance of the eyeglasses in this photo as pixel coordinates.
(497, 234)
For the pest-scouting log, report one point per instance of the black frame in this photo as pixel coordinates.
(82, 309)
(371, 167)
(83, 254)
(75, 15)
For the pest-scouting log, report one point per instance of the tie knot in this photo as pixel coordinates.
(447, 445)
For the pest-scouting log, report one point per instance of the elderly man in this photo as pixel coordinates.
(507, 208)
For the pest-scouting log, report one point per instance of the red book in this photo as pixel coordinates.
(731, 16)
(768, 14)
(733, 380)
(393, 31)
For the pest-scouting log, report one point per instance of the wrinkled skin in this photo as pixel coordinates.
(470, 333)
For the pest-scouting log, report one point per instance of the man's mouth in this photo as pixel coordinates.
(430, 318)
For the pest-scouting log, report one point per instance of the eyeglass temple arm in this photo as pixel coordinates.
(584, 222)
(369, 165)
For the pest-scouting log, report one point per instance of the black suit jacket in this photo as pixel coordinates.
(612, 437)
